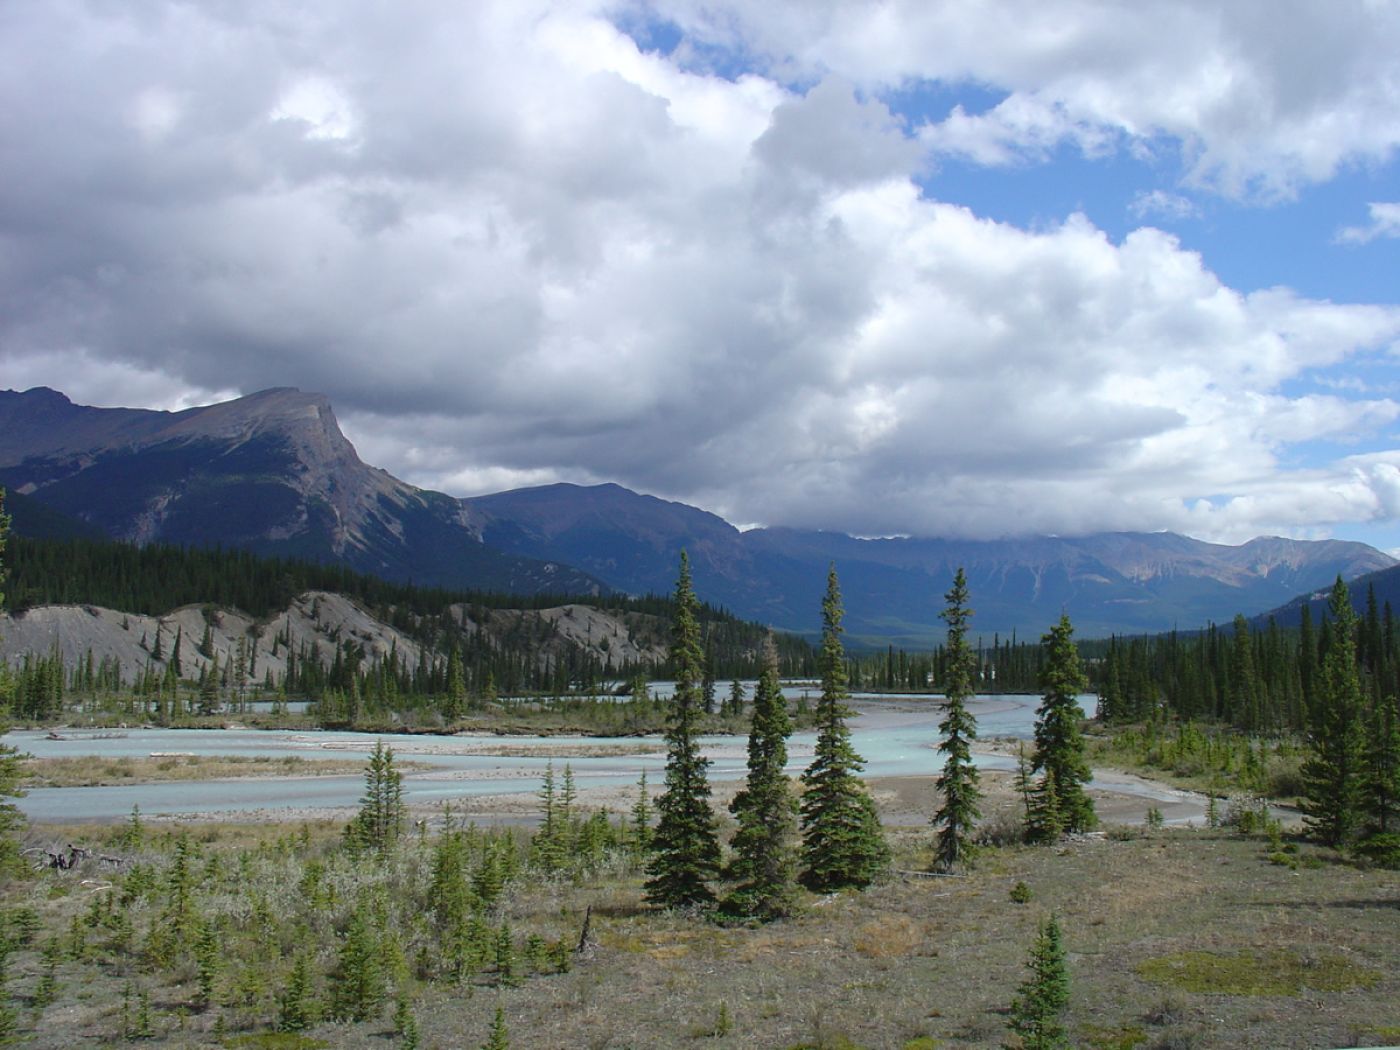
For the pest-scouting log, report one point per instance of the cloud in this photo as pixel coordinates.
(1257, 98)
(1385, 222)
(1160, 203)
(514, 247)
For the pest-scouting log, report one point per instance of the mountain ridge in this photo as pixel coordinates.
(273, 472)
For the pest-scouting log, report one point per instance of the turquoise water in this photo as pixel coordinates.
(895, 735)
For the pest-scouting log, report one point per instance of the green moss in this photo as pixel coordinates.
(1276, 972)
(276, 1041)
(1101, 1037)
(924, 1042)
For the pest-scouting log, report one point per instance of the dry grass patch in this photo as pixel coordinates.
(887, 936)
(89, 771)
(1274, 972)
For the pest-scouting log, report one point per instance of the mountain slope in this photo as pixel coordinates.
(270, 472)
(893, 588)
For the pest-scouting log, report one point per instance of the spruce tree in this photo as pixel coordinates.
(958, 781)
(358, 985)
(296, 1006)
(684, 846)
(380, 820)
(766, 811)
(843, 844)
(1059, 746)
(1037, 1012)
(11, 772)
(641, 817)
(1333, 771)
(1381, 841)
(1382, 785)
(499, 1038)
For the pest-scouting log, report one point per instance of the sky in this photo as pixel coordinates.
(973, 269)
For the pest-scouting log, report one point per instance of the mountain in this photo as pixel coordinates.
(1384, 584)
(270, 472)
(893, 588)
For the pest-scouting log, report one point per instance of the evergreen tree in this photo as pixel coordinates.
(736, 692)
(1045, 817)
(1037, 1012)
(765, 809)
(958, 781)
(296, 1005)
(11, 773)
(379, 822)
(207, 953)
(684, 845)
(358, 983)
(842, 842)
(1059, 746)
(1333, 771)
(548, 844)
(641, 817)
(499, 1038)
(1383, 768)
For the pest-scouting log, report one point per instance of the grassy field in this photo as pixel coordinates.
(1176, 939)
(87, 771)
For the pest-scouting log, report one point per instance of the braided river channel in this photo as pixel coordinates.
(896, 735)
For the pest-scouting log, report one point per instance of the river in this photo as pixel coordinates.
(896, 735)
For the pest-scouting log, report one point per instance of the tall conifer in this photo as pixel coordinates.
(842, 842)
(958, 781)
(1059, 746)
(1333, 771)
(684, 847)
(765, 810)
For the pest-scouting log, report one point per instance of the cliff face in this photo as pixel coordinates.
(270, 472)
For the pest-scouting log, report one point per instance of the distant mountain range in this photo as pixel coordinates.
(272, 472)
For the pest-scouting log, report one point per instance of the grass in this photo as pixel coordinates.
(1177, 939)
(1277, 971)
(92, 771)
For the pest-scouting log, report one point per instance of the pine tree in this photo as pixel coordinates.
(765, 810)
(1333, 771)
(358, 983)
(1059, 746)
(207, 952)
(842, 842)
(1383, 768)
(684, 845)
(1037, 1012)
(11, 773)
(499, 1038)
(379, 822)
(1381, 842)
(737, 697)
(1045, 819)
(958, 781)
(641, 817)
(548, 844)
(296, 1006)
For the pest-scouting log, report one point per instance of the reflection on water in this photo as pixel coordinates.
(895, 735)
